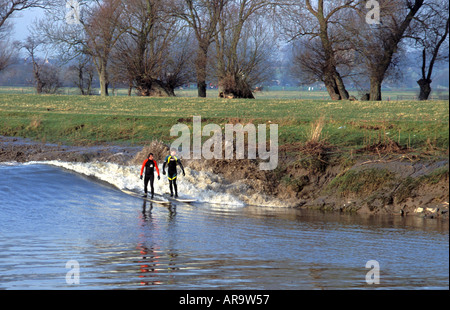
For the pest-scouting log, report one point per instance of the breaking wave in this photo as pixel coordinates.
(202, 186)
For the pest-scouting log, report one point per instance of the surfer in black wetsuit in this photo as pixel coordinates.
(172, 161)
(149, 165)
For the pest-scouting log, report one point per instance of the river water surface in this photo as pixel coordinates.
(50, 216)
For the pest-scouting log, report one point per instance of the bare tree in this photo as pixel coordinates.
(102, 27)
(321, 22)
(32, 45)
(230, 38)
(7, 50)
(177, 67)
(82, 74)
(46, 76)
(256, 50)
(430, 32)
(50, 77)
(152, 55)
(96, 34)
(9, 7)
(202, 16)
(309, 62)
(378, 44)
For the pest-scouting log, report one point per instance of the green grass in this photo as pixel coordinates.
(409, 184)
(121, 119)
(361, 182)
(436, 176)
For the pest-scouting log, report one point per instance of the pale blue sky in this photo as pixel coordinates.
(22, 20)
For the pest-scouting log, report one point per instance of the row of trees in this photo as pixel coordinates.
(336, 41)
(154, 46)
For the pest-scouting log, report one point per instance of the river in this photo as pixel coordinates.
(63, 227)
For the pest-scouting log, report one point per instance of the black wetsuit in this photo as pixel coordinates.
(149, 166)
(172, 162)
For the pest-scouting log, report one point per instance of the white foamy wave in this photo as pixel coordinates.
(10, 163)
(199, 185)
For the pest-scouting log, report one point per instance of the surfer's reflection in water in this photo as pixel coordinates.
(152, 269)
(171, 208)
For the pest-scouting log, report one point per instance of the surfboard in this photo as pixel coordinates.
(134, 194)
(185, 200)
(181, 199)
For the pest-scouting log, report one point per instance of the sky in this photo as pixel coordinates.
(23, 20)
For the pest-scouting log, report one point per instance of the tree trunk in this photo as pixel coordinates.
(375, 89)
(101, 66)
(201, 88)
(104, 88)
(201, 62)
(234, 86)
(89, 83)
(39, 86)
(330, 81)
(104, 84)
(80, 80)
(160, 89)
(388, 48)
(150, 87)
(341, 87)
(331, 86)
(37, 77)
(425, 88)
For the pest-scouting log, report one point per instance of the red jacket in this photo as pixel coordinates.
(149, 165)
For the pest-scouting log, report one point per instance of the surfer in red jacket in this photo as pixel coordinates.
(149, 165)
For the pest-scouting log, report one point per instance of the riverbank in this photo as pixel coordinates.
(387, 157)
(307, 176)
(395, 185)
(14, 149)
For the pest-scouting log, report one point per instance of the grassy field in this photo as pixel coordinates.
(347, 125)
(275, 92)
